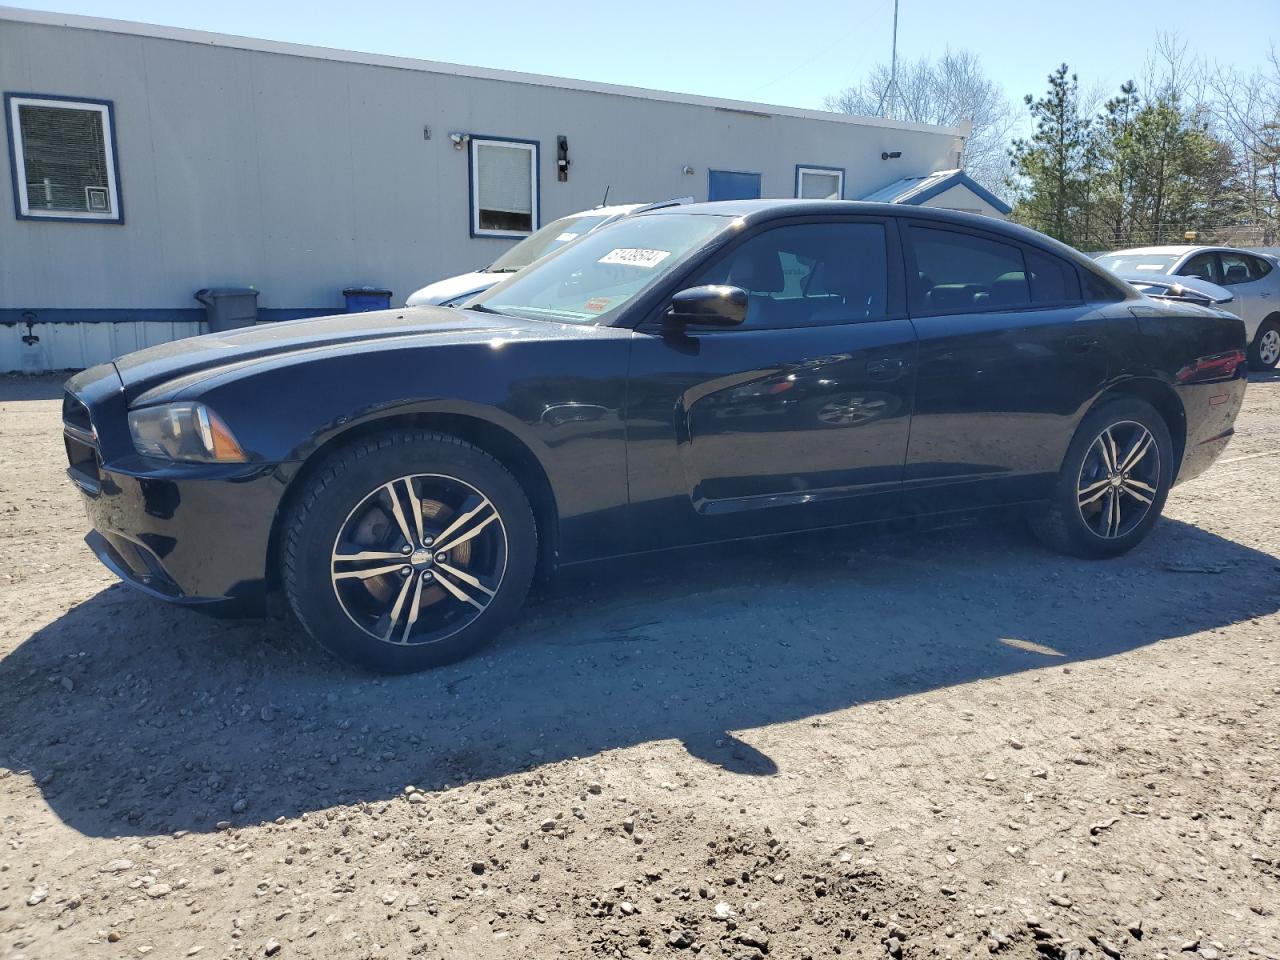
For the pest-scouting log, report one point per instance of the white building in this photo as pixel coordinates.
(149, 162)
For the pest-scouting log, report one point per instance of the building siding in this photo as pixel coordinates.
(300, 174)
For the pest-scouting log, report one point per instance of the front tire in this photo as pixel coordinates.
(1264, 351)
(408, 550)
(1113, 482)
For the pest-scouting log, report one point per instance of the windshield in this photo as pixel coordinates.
(551, 237)
(1139, 262)
(587, 282)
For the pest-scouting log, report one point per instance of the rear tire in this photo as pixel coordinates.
(408, 550)
(1264, 351)
(1113, 482)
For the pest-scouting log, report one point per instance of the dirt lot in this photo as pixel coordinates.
(944, 744)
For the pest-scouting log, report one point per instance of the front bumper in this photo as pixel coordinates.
(192, 534)
(200, 540)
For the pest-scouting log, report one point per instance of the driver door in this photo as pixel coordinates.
(797, 418)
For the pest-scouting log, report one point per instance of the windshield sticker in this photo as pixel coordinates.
(1150, 266)
(635, 257)
(566, 237)
(597, 304)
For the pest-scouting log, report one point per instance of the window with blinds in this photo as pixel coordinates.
(504, 187)
(819, 183)
(64, 157)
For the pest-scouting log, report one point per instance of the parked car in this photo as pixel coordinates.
(685, 375)
(455, 290)
(1252, 278)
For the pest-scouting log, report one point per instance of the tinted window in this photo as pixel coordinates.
(960, 272)
(1052, 280)
(1202, 265)
(1259, 267)
(1236, 268)
(809, 274)
(1097, 290)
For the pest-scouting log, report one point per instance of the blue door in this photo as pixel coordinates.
(731, 185)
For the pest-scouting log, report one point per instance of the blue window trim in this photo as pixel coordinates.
(961, 179)
(818, 167)
(744, 173)
(472, 224)
(10, 96)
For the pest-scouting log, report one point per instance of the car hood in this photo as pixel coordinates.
(451, 288)
(195, 357)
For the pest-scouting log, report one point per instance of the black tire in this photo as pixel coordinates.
(1085, 531)
(345, 508)
(1270, 330)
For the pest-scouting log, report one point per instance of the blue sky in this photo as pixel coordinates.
(745, 49)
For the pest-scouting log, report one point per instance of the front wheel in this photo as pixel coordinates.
(408, 550)
(1113, 482)
(1264, 352)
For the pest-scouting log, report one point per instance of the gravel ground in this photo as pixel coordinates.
(864, 744)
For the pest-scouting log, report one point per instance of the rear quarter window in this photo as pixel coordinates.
(1052, 280)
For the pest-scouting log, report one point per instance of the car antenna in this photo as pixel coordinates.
(607, 187)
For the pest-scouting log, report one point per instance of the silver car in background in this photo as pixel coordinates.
(1253, 279)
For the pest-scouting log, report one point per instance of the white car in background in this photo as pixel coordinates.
(454, 290)
(1252, 278)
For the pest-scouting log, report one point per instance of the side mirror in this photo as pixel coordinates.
(710, 305)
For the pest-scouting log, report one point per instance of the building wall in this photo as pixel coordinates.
(962, 198)
(300, 174)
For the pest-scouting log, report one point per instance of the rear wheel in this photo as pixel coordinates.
(1113, 482)
(1264, 352)
(408, 551)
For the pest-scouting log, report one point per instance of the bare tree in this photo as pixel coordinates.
(1246, 108)
(947, 92)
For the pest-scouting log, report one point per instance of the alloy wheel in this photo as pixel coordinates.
(1119, 479)
(419, 559)
(1269, 347)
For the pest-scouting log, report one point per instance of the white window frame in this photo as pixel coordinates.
(803, 169)
(19, 163)
(473, 154)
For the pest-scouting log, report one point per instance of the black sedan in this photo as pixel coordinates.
(694, 374)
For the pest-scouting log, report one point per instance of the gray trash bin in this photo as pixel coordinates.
(229, 308)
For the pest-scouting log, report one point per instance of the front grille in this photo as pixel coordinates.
(75, 413)
(81, 442)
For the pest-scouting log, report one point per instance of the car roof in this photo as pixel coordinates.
(612, 210)
(759, 211)
(1175, 249)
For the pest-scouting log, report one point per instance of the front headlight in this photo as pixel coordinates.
(183, 431)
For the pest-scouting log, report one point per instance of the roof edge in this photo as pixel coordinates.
(205, 38)
(959, 178)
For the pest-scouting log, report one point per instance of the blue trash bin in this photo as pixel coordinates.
(363, 299)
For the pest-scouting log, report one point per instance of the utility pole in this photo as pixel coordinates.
(890, 95)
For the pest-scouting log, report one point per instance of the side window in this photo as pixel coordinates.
(1235, 268)
(1099, 290)
(1052, 280)
(1260, 267)
(808, 275)
(1202, 265)
(964, 273)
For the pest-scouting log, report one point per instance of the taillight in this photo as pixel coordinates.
(1219, 366)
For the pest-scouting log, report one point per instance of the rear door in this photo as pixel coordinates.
(797, 418)
(1241, 274)
(1009, 356)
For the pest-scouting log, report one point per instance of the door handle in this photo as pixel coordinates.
(885, 369)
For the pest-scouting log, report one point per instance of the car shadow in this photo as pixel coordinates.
(135, 718)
